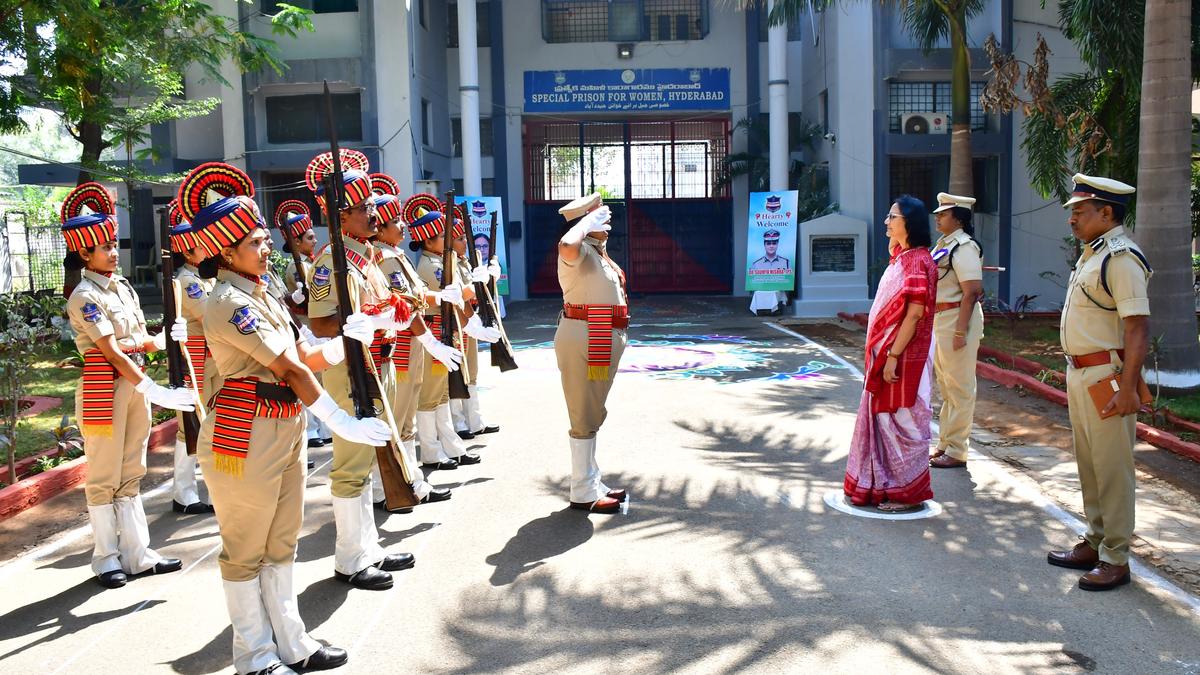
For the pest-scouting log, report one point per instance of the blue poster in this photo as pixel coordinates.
(771, 241)
(632, 89)
(479, 210)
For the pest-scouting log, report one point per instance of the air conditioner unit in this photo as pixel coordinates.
(924, 123)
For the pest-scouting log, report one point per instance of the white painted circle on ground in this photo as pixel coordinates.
(836, 499)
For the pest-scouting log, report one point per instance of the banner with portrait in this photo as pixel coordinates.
(479, 211)
(771, 241)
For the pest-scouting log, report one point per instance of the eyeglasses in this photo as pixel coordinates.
(893, 215)
(367, 206)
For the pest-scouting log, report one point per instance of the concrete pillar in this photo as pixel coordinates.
(468, 91)
(777, 92)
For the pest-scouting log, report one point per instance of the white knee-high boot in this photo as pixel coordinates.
(349, 552)
(105, 554)
(253, 639)
(475, 421)
(134, 539)
(279, 598)
(409, 456)
(452, 445)
(427, 432)
(585, 474)
(458, 413)
(183, 487)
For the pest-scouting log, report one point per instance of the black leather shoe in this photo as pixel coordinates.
(276, 667)
(394, 562)
(328, 441)
(193, 509)
(369, 579)
(437, 495)
(325, 658)
(315, 443)
(489, 429)
(469, 458)
(444, 465)
(164, 566)
(113, 579)
(381, 505)
(312, 464)
(466, 435)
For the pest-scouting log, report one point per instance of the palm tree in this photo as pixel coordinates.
(930, 22)
(1164, 158)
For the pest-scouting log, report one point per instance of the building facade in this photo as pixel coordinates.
(638, 99)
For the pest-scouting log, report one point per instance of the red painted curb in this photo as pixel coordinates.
(1010, 379)
(1168, 441)
(37, 489)
(1021, 363)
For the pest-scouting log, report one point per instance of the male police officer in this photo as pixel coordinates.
(1104, 331)
(771, 261)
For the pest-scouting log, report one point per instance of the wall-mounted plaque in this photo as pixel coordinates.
(832, 254)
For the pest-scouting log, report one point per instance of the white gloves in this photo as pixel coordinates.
(480, 275)
(359, 326)
(386, 320)
(595, 221)
(175, 399)
(451, 294)
(447, 356)
(368, 430)
(298, 294)
(309, 337)
(178, 333)
(333, 351)
(493, 269)
(477, 330)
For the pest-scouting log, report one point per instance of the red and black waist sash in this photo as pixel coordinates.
(381, 348)
(99, 382)
(402, 352)
(601, 320)
(197, 351)
(236, 405)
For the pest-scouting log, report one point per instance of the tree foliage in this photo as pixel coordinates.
(811, 180)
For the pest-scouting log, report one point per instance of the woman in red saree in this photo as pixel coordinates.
(888, 464)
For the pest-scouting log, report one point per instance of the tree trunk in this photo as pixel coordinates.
(91, 134)
(1163, 205)
(962, 181)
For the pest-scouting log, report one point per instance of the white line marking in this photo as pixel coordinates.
(836, 499)
(1143, 574)
(823, 349)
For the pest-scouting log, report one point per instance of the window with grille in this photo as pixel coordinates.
(483, 32)
(624, 20)
(301, 119)
(929, 97)
(485, 136)
(924, 177)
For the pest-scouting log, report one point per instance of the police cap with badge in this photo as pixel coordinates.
(771, 237)
(1107, 190)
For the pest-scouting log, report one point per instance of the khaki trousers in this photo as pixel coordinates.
(956, 380)
(1104, 455)
(408, 391)
(351, 468)
(585, 398)
(260, 512)
(471, 356)
(116, 463)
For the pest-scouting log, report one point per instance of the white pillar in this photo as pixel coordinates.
(777, 91)
(468, 90)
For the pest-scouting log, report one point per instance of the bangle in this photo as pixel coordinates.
(892, 356)
(959, 333)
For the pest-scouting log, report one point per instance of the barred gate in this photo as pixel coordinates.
(672, 213)
(31, 258)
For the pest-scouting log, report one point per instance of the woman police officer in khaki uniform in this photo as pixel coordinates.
(589, 342)
(113, 399)
(957, 326)
(252, 441)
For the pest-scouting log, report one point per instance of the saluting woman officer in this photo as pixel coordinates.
(252, 441)
(112, 402)
(589, 342)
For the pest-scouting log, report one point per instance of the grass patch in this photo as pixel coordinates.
(1035, 338)
(47, 379)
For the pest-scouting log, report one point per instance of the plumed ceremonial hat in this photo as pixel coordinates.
(293, 218)
(388, 207)
(581, 206)
(947, 201)
(183, 239)
(423, 213)
(356, 183)
(218, 199)
(87, 217)
(383, 184)
(1101, 189)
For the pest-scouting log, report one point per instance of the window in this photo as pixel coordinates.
(794, 34)
(624, 20)
(301, 119)
(919, 97)
(823, 111)
(426, 121)
(485, 136)
(421, 17)
(924, 177)
(488, 185)
(483, 32)
(317, 6)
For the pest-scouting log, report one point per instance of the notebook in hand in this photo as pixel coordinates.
(1102, 392)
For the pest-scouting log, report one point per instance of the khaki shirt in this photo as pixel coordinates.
(101, 306)
(590, 279)
(965, 265)
(1086, 327)
(193, 292)
(246, 328)
(401, 276)
(365, 281)
(276, 288)
(290, 277)
(429, 269)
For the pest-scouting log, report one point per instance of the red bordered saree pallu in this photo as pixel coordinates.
(236, 406)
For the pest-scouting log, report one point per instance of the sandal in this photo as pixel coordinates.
(896, 507)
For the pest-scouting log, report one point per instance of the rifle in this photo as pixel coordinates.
(292, 241)
(179, 365)
(450, 327)
(502, 354)
(397, 484)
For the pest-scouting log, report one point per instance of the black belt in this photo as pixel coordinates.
(275, 392)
